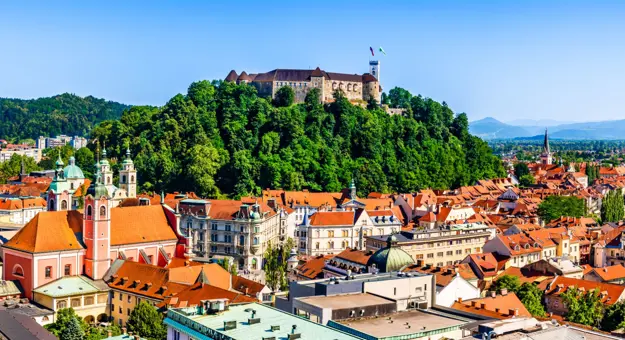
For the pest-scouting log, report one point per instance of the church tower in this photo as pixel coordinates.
(128, 176)
(59, 197)
(105, 169)
(97, 228)
(545, 156)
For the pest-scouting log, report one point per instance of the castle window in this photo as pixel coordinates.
(349, 87)
(355, 88)
(102, 211)
(63, 205)
(48, 272)
(334, 85)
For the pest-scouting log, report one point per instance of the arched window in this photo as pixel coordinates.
(89, 211)
(52, 207)
(349, 87)
(18, 270)
(334, 85)
(71, 186)
(102, 211)
(132, 179)
(344, 245)
(254, 263)
(317, 245)
(355, 88)
(61, 305)
(241, 240)
(108, 180)
(329, 245)
(255, 240)
(63, 205)
(124, 179)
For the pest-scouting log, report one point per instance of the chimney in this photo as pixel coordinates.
(516, 312)
(459, 299)
(123, 330)
(493, 294)
(504, 291)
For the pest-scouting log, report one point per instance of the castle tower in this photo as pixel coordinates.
(545, 156)
(96, 229)
(374, 68)
(128, 176)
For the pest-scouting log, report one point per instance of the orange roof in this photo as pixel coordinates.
(519, 244)
(85, 185)
(429, 217)
(338, 218)
(610, 273)
(498, 307)
(216, 275)
(10, 204)
(444, 275)
(610, 293)
(193, 296)
(140, 224)
(246, 286)
(313, 268)
(142, 279)
(376, 203)
(355, 255)
(49, 231)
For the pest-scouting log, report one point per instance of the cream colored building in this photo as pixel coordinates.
(87, 297)
(442, 246)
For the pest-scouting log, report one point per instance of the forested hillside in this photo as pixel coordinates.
(63, 114)
(221, 138)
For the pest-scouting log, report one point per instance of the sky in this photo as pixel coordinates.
(559, 60)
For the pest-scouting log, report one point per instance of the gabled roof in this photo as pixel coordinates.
(355, 256)
(142, 279)
(332, 218)
(609, 293)
(140, 224)
(313, 268)
(216, 274)
(193, 296)
(49, 231)
(610, 273)
(498, 307)
(246, 286)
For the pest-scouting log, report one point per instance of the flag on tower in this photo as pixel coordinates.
(382, 50)
(371, 49)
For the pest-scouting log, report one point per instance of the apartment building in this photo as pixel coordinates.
(238, 229)
(441, 246)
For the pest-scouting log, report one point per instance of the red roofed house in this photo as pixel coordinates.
(504, 306)
(609, 294)
(521, 249)
(613, 274)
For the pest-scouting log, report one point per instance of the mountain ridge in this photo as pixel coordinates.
(491, 128)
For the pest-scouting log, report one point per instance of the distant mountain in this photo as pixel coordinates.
(537, 122)
(490, 128)
(62, 114)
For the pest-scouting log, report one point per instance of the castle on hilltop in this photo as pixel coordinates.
(356, 87)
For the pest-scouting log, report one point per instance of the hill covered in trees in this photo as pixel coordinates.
(221, 138)
(63, 114)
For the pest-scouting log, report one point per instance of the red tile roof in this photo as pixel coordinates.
(332, 218)
(193, 296)
(313, 268)
(48, 231)
(610, 293)
(498, 307)
(140, 224)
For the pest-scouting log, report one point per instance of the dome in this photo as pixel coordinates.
(255, 215)
(72, 170)
(391, 258)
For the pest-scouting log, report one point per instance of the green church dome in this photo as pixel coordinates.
(72, 170)
(391, 258)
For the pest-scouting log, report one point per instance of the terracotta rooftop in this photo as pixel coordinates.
(610, 293)
(311, 269)
(49, 231)
(130, 225)
(610, 273)
(193, 296)
(355, 255)
(142, 279)
(334, 218)
(498, 307)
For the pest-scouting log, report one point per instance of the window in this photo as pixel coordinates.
(439, 254)
(63, 205)
(228, 238)
(317, 245)
(242, 229)
(121, 311)
(449, 252)
(68, 270)
(71, 186)
(228, 227)
(214, 226)
(345, 233)
(330, 233)
(241, 240)
(48, 272)
(214, 237)
(227, 250)
(129, 297)
(102, 211)
(75, 303)
(128, 311)
(120, 296)
(430, 255)
(255, 241)
(395, 291)
(18, 271)
(459, 252)
(61, 304)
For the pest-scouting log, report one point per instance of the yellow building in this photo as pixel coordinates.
(87, 297)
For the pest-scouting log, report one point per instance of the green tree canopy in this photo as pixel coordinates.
(583, 308)
(147, 322)
(521, 169)
(614, 317)
(613, 206)
(527, 180)
(554, 207)
(221, 138)
(13, 166)
(509, 282)
(65, 317)
(532, 297)
(285, 96)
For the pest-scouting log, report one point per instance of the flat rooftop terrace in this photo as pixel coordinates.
(417, 322)
(345, 301)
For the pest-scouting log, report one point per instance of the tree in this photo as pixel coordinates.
(203, 162)
(275, 264)
(285, 96)
(614, 317)
(554, 207)
(147, 322)
(230, 267)
(613, 206)
(521, 169)
(72, 331)
(13, 166)
(583, 308)
(509, 282)
(527, 180)
(64, 317)
(532, 297)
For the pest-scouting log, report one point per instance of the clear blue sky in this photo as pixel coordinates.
(528, 59)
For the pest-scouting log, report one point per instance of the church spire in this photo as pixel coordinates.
(546, 144)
